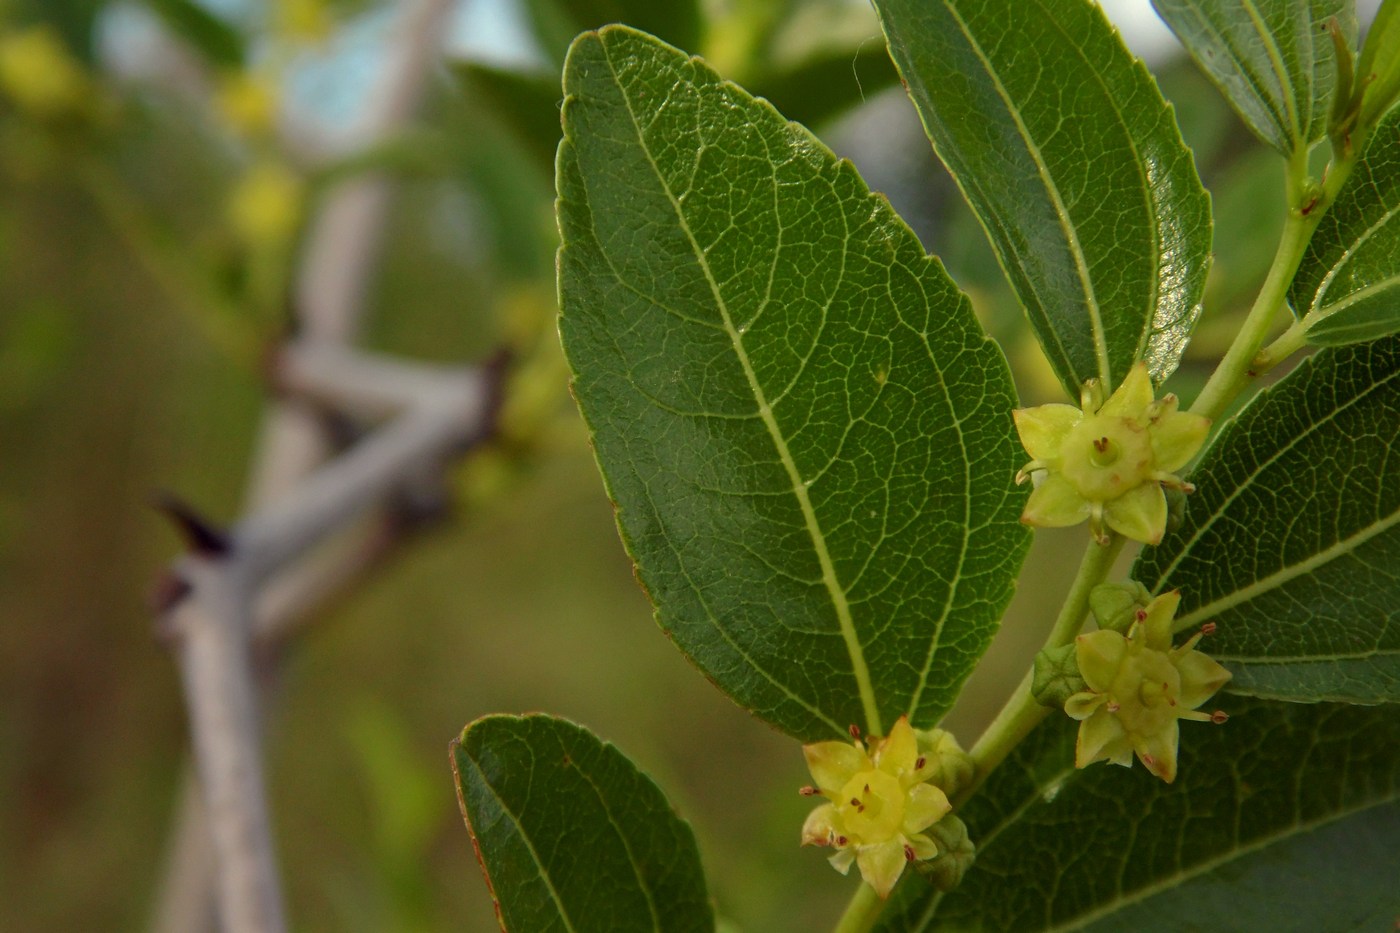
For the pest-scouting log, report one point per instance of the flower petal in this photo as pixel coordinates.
(1130, 400)
(1096, 735)
(1055, 503)
(1201, 677)
(1157, 627)
(1099, 655)
(1044, 427)
(924, 806)
(820, 826)
(900, 749)
(833, 763)
(1083, 704)
(923, 846)
(843, 859)
(1176, 437)
(1140, 513)
(1158, 751)
(881, 865)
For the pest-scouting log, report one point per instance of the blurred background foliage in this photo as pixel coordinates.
(158, 163)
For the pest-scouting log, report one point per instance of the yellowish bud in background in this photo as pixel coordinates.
(307, 21)
(40, 76)
(248, 103)
(265, 205)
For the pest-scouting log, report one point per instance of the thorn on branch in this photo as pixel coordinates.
(201, 536)
(495, 371)
(170, 588)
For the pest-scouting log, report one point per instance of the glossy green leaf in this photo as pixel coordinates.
(1244, 840)
(1272, 59)
(1349, 279)
(1067, 152)
(1292, 541)
(806, 434)
(571, 836)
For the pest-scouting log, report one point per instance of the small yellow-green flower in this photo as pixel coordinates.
(881, 801)
(1108, 463)
(1140, 687)
(39, 74)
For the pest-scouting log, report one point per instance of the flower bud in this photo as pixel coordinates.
(956, 854)
(1055, 677)
(1116, 605)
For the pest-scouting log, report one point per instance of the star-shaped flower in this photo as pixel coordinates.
(1139, 688)
(880, 803)
(1108, 463)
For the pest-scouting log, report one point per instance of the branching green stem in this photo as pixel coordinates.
(1308, 202)
(862, 912)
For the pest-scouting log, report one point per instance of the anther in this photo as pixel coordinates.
(1219, 716)
(908, 853)
(919, 765)
(854, 730)
(808, 791)
(1208, 629)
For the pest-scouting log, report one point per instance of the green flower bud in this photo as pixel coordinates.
(1056, 677)
(956, 854)
(951, 768)
(1116, 605)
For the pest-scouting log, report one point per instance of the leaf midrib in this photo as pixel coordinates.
(525, 838)
(1254, 475)
(1168, 882)
(1319, 296)
(839, 601)
(1076, 249)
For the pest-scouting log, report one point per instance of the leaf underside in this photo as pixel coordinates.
(805, 432)
(1292, 543)
(1069, 156)
(571, 836)
(1235, 844)
(1272, 59)
(1349, 278)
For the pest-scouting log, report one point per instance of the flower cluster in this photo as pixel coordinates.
(1139, 688)
(1108, 462)
(883, 797)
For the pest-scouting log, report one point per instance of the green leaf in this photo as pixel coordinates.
(1272, 59)
(219, 41)
(806, 434)
(571, 836)
(1292, 543)
(1071, 159)
(526, 103)
(1349, 280)
(1229, 846)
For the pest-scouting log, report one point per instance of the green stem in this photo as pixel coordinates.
(212, 313)
(861, 912)
(1022, 712)
(1244, 360)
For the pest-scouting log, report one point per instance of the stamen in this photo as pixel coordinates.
(908, 852)
(919, 765)
(1219, 716)
(808, 791)
(1209, 628)
(854, 730)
